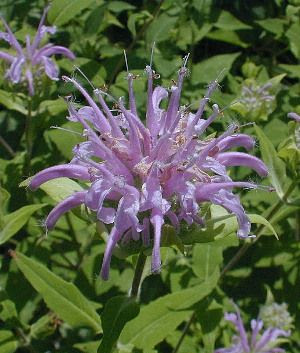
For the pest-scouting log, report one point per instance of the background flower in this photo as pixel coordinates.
(30, 61)
(256, 341)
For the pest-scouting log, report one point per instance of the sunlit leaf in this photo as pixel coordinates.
(209, 69)
(63, 297)
(117, 312)
(157, 319)
(276, 167)
(16, 220)
(62, 11)
(8, 342)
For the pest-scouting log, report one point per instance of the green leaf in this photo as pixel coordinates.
(255, 218)
(293, 34)
(53, 107)
(276, 167)
(292, 70)
(170, 238)
(209, 69)
(209, 316)
(60, 188)
(16, 220)
(206, 258)
(119, 6)
(43, 327)
(228, 22)
(273, 25)
(117, 312)
(8, 342)
(62, 11)
(90, 347)
(8, 311)
(228, 37)
(62, 297)
(161, 317)
(12, 102)
(66, 139)
(160, 28)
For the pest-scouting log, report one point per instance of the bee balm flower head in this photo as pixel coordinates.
(256, 341)
(28, 62)
(154, 172)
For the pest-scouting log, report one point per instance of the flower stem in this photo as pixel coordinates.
(184, 332)
(28, 136)
(139, 269)
(7, 147)
(271, 214)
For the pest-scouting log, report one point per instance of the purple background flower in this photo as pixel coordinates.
(28, 62)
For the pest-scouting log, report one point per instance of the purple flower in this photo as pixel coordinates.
(28, 62)
(153, 173)
(294, 116)
(256, 341)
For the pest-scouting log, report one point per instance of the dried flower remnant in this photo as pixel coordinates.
(256, 341)
(151, 173)
(29, 62)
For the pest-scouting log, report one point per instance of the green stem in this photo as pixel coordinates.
(139, 269)
(28, 136)
(7, 147)
(184, 332)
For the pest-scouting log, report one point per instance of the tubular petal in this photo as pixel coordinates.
(59, 171)
(230, 159)
(64, 206)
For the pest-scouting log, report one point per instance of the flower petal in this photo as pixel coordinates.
(59, 171)
(51, 68)
(230, 159)
(70, 202)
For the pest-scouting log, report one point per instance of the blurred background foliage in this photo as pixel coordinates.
(253, 49)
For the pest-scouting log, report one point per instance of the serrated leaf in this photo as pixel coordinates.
(209, 69)
(16, 220)
(276, 167)
(62, 11)
(117, 312)
(62, 297)
(161, 317)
